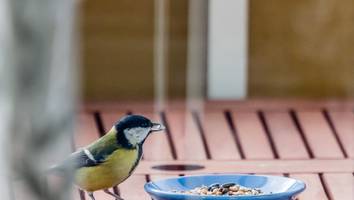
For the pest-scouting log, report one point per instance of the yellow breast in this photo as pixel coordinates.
(113, 171)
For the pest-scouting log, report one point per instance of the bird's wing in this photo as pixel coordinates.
(76, 160)
(92, 155)
(81, 158)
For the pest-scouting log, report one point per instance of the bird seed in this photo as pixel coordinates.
(230, 189)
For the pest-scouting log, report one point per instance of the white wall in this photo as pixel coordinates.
(227, 49)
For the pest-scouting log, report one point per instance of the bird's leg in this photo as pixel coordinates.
(91, 195)
(112, 194)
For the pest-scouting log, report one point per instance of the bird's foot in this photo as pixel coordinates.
(112, 194)
(91, 195)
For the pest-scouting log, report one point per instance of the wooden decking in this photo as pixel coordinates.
(311, 141)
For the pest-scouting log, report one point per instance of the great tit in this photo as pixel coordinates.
(111, 159)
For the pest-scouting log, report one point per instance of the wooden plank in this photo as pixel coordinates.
(290, 146)
(314, 189)
(286, 138)
(343, 122)
(252, 136)
(339, 185)
(268, 174)
(185, 135)
(220, 140)
(279, 104)
(239, 105)
(319, 135)
(133, 188)
(252, 166)
(157, 177)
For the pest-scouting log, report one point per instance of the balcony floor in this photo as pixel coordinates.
(308, 140)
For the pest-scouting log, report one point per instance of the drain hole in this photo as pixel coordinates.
(178, 167)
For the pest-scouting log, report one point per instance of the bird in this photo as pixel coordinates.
(110, 160)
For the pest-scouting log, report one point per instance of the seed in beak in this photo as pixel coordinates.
(157, 127)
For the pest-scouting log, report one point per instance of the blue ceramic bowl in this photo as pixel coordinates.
(274, 187)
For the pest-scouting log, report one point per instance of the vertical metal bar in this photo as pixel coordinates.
(38, 90)
(5, 111)
(196, 49)
(196, 53)
(160, 52)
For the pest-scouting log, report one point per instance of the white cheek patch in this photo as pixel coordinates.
(136, 135)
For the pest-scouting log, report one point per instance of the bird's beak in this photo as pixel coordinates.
(157, 127)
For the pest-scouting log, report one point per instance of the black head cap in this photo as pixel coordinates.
(132, 121)
(136, 136)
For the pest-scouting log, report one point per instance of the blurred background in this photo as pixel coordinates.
(254, 48)
(57, 55)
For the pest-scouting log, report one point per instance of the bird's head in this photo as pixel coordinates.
(132, 130)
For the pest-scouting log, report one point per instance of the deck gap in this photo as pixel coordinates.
(323, 183)
(82, 194)
(178, 167)
(268, 134)
(197, 120)
(147, 178)
(301, 132)
(235, 135)
(334, 131)
(116, 190)
(169, 136)
(99, 123)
